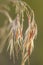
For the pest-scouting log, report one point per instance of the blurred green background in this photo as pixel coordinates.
(37, 55)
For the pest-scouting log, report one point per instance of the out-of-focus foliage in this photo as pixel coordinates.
(37, 57)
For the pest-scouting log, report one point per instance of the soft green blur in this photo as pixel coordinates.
(37, 55)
